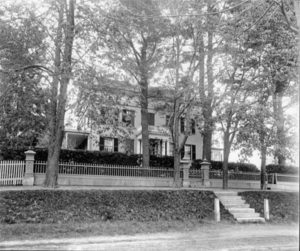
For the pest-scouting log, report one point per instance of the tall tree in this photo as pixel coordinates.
(23, 99)
(132, 43)
(62, 74)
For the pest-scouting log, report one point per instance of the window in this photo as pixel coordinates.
(151, 118)
(128, 117)
(109, 144)
(188, 152)
(129, 146)
(109, 115)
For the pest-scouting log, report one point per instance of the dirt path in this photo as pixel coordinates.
(213, 237)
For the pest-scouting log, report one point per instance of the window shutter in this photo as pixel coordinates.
(193, 126)
(101, 144)
(132, 117)
(116, 145)
(132, 146)
(182, 125)
(182, 152)
(167, 120)
(151, 120)
(193, 152)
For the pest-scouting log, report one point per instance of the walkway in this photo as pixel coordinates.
(213, 237)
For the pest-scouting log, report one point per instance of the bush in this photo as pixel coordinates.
(272, 168)
(217, 165)
(91, 157)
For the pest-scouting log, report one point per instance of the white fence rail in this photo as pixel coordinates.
(11, 173)
(109, 170)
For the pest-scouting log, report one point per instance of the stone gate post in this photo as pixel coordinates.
(29, 162)
(185, 165)
(205, 172)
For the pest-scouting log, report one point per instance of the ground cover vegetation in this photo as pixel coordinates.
(102, 212)
(284, 206)
(65, 213)
(231, 64)
(64, 206)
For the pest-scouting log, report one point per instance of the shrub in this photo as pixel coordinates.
(217, 165)
(81, 156)
(272, 168)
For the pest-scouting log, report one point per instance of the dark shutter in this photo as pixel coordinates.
(101, 144)
(182, 125)
(193, 126)
(151, 120)
(193, 152)
(132, 117)
(182, 152)
(131, 146)
(167, 120)
(116, 145)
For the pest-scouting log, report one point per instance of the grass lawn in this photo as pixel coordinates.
(23, 231)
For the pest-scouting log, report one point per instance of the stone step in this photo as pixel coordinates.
(234, 199)
(226, 193)
(251, 220)
(245, 215)
(241, 210)
(236, 205)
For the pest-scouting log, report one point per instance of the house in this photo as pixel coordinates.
(124, 133)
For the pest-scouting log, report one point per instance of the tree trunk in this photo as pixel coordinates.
(59, 106)
(206, 92)
(177, 157)
(207, 138)
(226, 158)
(278, 111)
(145, 131)
(263, 153)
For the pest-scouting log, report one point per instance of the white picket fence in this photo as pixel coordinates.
(11, 172)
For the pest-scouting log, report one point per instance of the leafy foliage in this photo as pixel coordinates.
(94, 157)
(218, 165)
(46, 206)
(283, 205)
(285, 169)
(23, 97)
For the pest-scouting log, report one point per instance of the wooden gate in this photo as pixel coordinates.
(12, 173)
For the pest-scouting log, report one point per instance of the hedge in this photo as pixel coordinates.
(285, 169)
(113, 158)
(217, 165)
(91, 157)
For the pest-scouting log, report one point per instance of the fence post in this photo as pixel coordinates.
(185, 164)
(205, 172)
(266, 209)
(29, 161)
(217, 210)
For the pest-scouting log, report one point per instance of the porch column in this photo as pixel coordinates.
(29, 162)
(163, 148)
(168, 147)
(140, 146)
